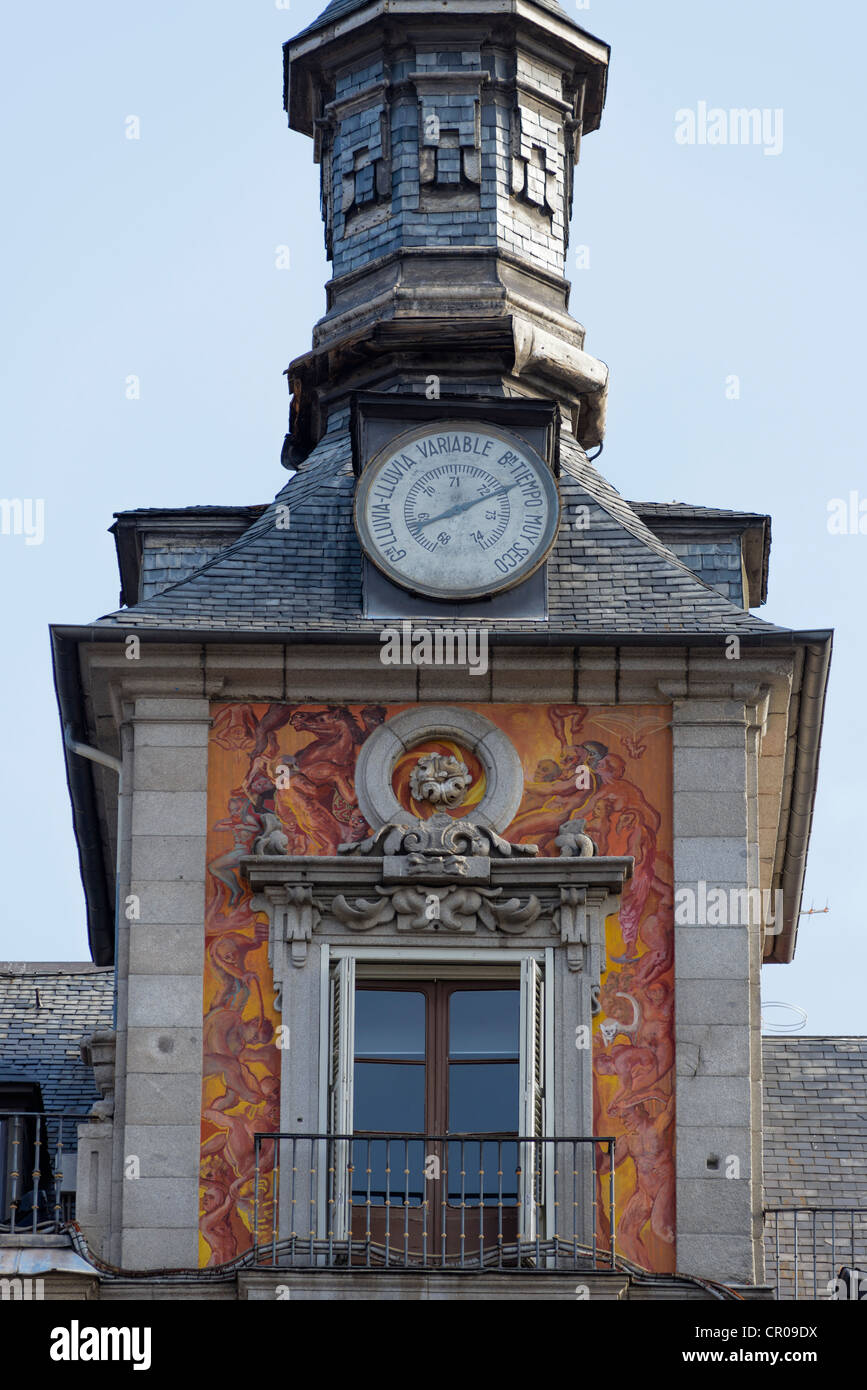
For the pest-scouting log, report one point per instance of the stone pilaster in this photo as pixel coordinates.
(713, 989)
(160, 1011)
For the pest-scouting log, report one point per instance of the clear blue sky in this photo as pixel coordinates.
(156, 257)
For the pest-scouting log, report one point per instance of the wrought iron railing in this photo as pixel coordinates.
(807, 1249)
(35, 1146)
(436, 1201)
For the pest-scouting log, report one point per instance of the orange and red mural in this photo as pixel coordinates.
(291, 768)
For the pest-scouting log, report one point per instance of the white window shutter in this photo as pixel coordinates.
(340, 1079)
(532, 1088)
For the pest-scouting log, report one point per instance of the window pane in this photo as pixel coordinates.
(483, 1099)
(389, 1097)
(484, 1023)
(389, 1023)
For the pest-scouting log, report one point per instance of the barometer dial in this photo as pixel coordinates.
(457, 510)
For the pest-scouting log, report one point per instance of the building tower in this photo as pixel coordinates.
(450, 793)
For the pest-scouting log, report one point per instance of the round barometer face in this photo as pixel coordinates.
(457, 510)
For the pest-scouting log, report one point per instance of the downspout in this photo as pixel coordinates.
(95, 755)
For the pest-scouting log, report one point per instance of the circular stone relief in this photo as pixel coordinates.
(398, 736)
(408, 779)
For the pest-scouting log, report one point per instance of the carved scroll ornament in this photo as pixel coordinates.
(439, 909)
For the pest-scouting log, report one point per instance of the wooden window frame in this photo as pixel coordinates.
(437, 1059)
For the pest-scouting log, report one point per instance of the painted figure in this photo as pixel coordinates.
(647, 1145)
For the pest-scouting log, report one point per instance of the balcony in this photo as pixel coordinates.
(816, 1253)
(434, 1202)
(37, 1170)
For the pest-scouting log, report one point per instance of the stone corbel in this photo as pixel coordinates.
(580, 920)
(538, 350)
(294, 915)
(760, 710)
(598, 904)
(570, 919)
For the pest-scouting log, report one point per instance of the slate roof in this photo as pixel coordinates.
(45, 1010)
(815, 1150)
(815, 1104)
(614, 576)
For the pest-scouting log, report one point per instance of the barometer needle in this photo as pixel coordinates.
(463, 506)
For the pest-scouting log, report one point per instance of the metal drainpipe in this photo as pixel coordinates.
(84, 750)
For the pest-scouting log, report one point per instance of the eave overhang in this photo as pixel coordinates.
(304, 55)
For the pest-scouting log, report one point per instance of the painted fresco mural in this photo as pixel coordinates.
(288, 770)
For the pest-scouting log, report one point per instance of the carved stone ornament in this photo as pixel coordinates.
(295, 915)
(441, 847)
(581, 923)
(573, 842)
(443, 875)
(570, 919)
(436, 849)
(97, 1050)
(441, 780)
(273, 839)
(438, 909)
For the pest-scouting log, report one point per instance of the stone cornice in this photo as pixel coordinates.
(529, 902)
(342, 873)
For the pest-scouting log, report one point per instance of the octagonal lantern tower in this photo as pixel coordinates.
(446, 138)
